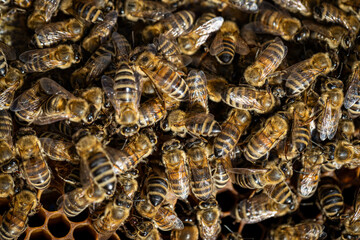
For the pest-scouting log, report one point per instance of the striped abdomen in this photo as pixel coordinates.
(269, 18)
(308, 181)
(236, 97)
(250, 181)
(226, 56)
(13, 224)
(102, 172)
(151, 111)
(37, 172)
(301, 137)
(40, 62)
(259, 145)
(4, 67)
(221, 176)
(197, 89)
(166, 46)
(57, 147)
(88, 12)
(281, 193)
(202, 124)
(6, 126)
(170, 82)
(178, 23)
(125, 85)
(331, 200)
(75, 202)
(157, 189)
(299, 81)
(166, 219)
(354, 110)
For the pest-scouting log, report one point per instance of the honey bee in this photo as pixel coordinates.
(151, 112)
(6, 140)
(232, 129)
(13, 80)
(249, 98)
(208, 216)
(47, 102)
(145, 10)
(227, 42)
(115, 214)
(196, 80)
(85, 10)
(58, 148)
(54, 33)
(44, 10)
(171, 27)
(14, 221)
(296, 6)
(23, 3)
(302, 75)
(259, 178)
(7, 53)
(94, 66)
(346, 129)
(221, 176)
(330, 199)
(95, 99)
(157, 188)
(42, 60)
(190, 231)
(303, 230)
(206, 24)
(129, 183)
(139, 147)
(100, 32)
(351, 100)
(247, 6)
(34, 166)
(281, 193)
(7, 185)
(332, 98)
(326, 12)
(350, 6)
(174, 160)
(200, 174)
(122, 46)
(266, 63)
(96, 164)
(146, 231)
(332, 159)
(166, 219)
(333, 36)
(259, 208)
(309, 176)
(260, 144)
(79, 199)
(274, 22)
(165, 78)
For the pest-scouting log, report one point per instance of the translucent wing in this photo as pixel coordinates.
(356, 216)
(44, 119)
(38, 55)
(329, 122)
(28, 100)
(7, 95)
(217, 46)
(246, 171)
(122, 46)
(208, 27)
(108, 87)
(353, 92)
(248, 100)
(9, 51)
(317, 28)
(241, 46)
(98, 65)
(58, 148)
(53, 88)
(247, 6)
(198, 118)
(198, 80)
(181, 28)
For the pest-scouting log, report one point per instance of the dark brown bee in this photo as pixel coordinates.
(351, 101)
(145, 10)
(157, 188)
(151, 112)
(86, 10)
(166, 219)
(306, 230)
(7, 53)
(330, 199)
(43, 11)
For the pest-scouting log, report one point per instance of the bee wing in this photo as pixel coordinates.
(208, 27)
(200, 117)
(108, 86)
(330, 122)
(241, 46)
(198, 78)
(356, 216)
(353, 91)
(251, 6)
(115, 157)
(53, 88)
(23, 102)
(38, 55)
(246, 171)
(61, 145)
(121, 44)
(9, 51)
(217, 46)
(98, 65)
(44, 119)
(246, 100)
(6, 96)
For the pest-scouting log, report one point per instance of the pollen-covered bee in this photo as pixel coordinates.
(206, 24)
(332, 98)
(13, 80)
(303, 230)
(273, 131)
(57, 32)
(172, 26)
(208, 216)
(326, 12)
(15, 220)
(42, 60)
(266, 62)
(34, 166)
(330, 199)
(174, 159)
(145, 10)
(7, 185)
(7, 53)
(227, 42)
(351, 100)
(100, 32)
(44, 10)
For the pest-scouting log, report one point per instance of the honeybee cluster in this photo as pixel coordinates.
(180, 119)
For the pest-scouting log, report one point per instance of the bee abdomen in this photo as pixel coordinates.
(221, 177)
(38, 173)
(302, 137)
(227, 55)
(202, 189)
(157, 190)
(208, 127)
(151, 112)
(171, 83)
(13, 224)
(331, 200)
(125, 84)
(4, 67)
(89, 12)
(226, 140)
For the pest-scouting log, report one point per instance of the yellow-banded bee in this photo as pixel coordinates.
(174, 159)
(247, 6)
(7, 185)
(34, 166)
(145, 10)
(206, 24)
(42, 60)
(330, 199)
(13, 80)
(303, 230)
(172, 26)
(208, 216)
(115, 214)
(128, 182)
(231, 130)
(260, 144)
(157, 188)
(6, 127)
(221, 176)
(227, 42)
(346, 129)
(332, 98)
(100, 32)
(302, 75)
(281, 193)
(7, 53)
(351, 100)
(151, 112)
(85, 10)
(200, 174)
(166, 219)
(14, 221)
(296, 6)
(196, 81)
(139, 147)
(57, 32)
(326, 12)
(43, 11)
(95, 164)
(266, 63)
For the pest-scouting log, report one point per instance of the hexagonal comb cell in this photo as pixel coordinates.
(84, 232)
(38, 219)
(58, 226)
(48, 199)
(40, 235)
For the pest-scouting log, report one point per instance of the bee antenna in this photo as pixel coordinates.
(228, 228)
